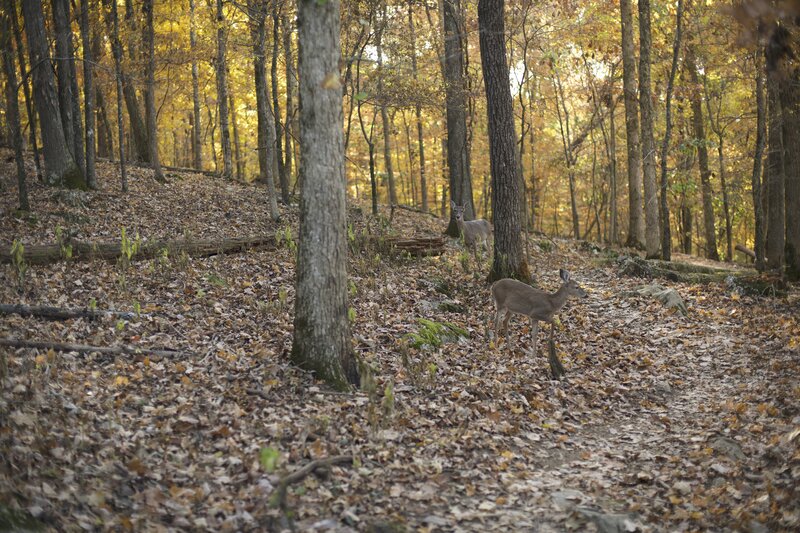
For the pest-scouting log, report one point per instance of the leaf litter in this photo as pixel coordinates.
(663, 422)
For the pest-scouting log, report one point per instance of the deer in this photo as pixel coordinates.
(473, 231)
(514, 297)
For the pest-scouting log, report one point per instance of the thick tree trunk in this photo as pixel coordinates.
(321, 327)
(507, 191)
(652, 233)
(790, 100)
(267, 162)
(222, 95)
(26, 90)
(197, 145)
(702, 160)
(758, 159)
(666, 230)
(59, 165)
(774, 175)
(68, 93)
(148, 39)
(635, 225)
(456, 101)
(88, 95)
(12, 103)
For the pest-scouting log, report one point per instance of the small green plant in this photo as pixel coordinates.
(352, 290)
(283, 237)
(433, 334)
(387, 406)
(351, 315)
(92, 305)
(18, 260)
(128, 250)
(369, 385)
(137, 308)
(269, 457)
(214, 279)
(120, 325)
(64, 246)
(463, 259)
(283, 297)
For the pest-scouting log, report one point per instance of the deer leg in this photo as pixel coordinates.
(534, 335)
(497, 319)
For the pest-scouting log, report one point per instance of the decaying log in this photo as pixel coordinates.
(745, 250)
(82, 348)
(417, 246)
(60, 313)
(82, 251)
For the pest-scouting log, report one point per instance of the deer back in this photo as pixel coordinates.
(522, 299)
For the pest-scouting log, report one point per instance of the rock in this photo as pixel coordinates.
(669, 297)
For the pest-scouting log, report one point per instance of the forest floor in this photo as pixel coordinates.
(663, 421)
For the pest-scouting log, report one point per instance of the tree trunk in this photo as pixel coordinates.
(456, 102)
(88, 95)
(567, 144)
(758, 158)
(423, 185)
(790, 101)
(507, 193)
(267, 163)
(68, 93)
(197, 146)
(148, 41)
(26, 90)
(12, 102)
(117, 52)
(283, 179)
(237, 147)
(321, 326)
(666, 231)
(59, 166)
(635, 226)
(652, 233)
(612, 147)
(702, 159)
(774, 175)
(387, 128)
(290, 128)
(222, 95)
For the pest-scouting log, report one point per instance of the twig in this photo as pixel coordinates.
(279, 497)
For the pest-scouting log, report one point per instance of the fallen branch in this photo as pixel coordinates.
(59, 313)
(186, 170)
(51, 253)
(745, 250)
(278, 498)
(82, 348)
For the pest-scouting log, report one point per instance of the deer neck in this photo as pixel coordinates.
(559, 297)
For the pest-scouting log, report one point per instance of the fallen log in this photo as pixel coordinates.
(82, 251)
(60, 313)
(83, 348)
(745, 250)
(416, 246)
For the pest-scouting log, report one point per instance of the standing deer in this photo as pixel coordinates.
(473, 231)
(514, 297)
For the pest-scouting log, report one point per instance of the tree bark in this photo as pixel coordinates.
(59, 165)
(702, 159)
(88, 95)
(790, 102)
(635, 226)
(423, 184)
(283, 179)
(237, 147)
(507, 193)
(113, 21)
(758, 159)
(652, 233)
(385, 122)
(222, 95)
(291, 123)
(12, 103)
(456, 101)
(321, 327)
(197, 145)
(267, 162)
(148, 39)
(26, 90)
(666, 230)
(67, 77)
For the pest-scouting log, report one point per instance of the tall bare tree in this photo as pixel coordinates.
(423, 185)
(26, 90)
(88, 95)
(222, 93)
(197, 145)
(652, 233)
(148, 38)
(322, 341)
(507, 191)
(12, 102)
(67, 77)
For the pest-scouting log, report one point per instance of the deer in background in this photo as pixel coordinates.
(473, 231)
(514, 297)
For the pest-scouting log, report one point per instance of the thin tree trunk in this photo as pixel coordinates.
(758, 158)
(197, 146)
(387, 128)
(652, 233)
(88, 93)
(12, 103)
(455, 37)
(283, 179)
(702, 159)
(290, 128)
(321, 327)
(148, 39)
(26, 90)
(566, 142)
(635, 226)
(507, 190)
(423, 184)
(222, 95)
(118, 75)
(68, 82)
(666, 231)
(59, 165)
(237, 147)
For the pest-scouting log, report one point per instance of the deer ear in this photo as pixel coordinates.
(564, 274)
(452, 204)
